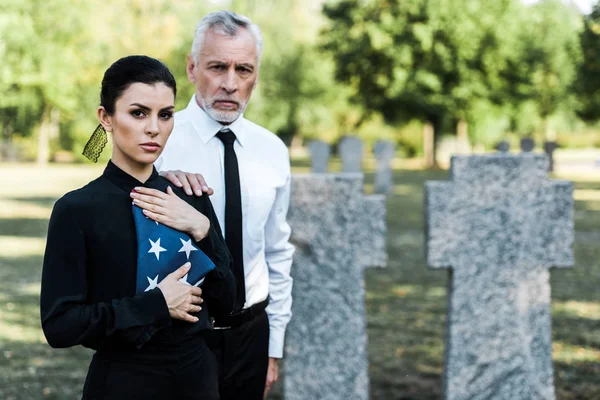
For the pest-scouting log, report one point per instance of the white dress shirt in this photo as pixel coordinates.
(264, 167)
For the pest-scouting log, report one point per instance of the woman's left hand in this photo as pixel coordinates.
(172, 211)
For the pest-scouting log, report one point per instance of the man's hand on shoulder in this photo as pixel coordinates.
(272, 374)
(191, 183)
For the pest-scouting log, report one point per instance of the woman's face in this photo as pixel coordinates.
(141, 123)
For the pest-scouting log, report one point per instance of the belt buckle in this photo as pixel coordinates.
(212, 320)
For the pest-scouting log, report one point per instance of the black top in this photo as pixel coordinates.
(90, 265)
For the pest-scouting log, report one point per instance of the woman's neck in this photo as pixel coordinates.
(139, 171)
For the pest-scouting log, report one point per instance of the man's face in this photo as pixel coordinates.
(225, 75)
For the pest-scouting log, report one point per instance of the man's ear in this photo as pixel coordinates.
(191, 69)
(104, 118)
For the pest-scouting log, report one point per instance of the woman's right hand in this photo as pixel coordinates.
(182, 299)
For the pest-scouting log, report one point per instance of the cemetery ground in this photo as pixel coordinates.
(406, 302)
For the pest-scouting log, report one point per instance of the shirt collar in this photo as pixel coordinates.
(125, 181)
(207, 127)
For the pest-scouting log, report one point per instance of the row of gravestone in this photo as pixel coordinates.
(499, 223)
(527, 145)
(351, 150)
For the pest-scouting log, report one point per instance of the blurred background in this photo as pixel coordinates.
(434, 76)
(476, 72)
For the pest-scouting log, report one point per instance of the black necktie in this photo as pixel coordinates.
(233, 215)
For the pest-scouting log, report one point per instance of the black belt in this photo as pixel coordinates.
(241, 317)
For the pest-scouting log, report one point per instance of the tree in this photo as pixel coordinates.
(588, 75)
(42, 65)
(552, 53)
(425, 59)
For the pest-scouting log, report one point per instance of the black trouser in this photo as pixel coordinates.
(181, 370)
(242, 355)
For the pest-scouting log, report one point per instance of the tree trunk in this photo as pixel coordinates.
(48, 129)
(462, 137)
(429, 145)
(549, 133)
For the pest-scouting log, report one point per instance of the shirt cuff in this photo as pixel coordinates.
(276, 341)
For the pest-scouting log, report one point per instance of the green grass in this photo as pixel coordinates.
(406, 303)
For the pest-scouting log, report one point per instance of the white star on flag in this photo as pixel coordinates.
(172, 248)
(153, 283)
(156, 249)
(187, 247)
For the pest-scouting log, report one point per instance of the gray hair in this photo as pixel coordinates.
(227, 23)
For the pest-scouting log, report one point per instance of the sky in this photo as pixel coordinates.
(584, 5)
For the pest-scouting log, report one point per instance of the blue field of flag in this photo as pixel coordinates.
(161, 250)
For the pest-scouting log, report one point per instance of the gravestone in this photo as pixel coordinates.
(326, 354)
(351, 151)
(527, 145)
(549, 148)
(384, 151)
(499, 224)
(371, 238)
(319, 155)
(503, 146)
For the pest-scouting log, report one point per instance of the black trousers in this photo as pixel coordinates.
(242, 355)
(177, 370)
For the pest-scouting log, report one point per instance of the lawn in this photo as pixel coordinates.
(406, 302)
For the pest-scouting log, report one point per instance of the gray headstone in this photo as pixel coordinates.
(384, 154)
(9, 152)
(549, 148)
(503, 146)
(371, 239)
(319, 155)
(326, 355)
(527, 145)
(499, 223)
(351, 151)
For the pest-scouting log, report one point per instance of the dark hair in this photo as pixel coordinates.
(129, 70)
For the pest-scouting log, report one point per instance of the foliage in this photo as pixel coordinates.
(588, 82)
(553, 55)
(425, 59)
(443, 61)
(329, 68)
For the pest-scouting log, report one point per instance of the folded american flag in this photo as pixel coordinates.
(161, 250)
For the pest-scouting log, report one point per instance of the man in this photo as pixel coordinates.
(249, 169)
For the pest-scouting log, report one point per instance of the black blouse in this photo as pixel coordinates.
(90, 265)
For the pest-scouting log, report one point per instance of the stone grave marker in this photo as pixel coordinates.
(527, 145)
(351, 151)
(384, 151)
(549, 148)
(499, 224)
(503, 146)
(326, 355)
(319, 155)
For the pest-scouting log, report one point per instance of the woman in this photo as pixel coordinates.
(148, 340)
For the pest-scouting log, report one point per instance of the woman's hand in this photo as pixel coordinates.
(181, 299)
(172, 211)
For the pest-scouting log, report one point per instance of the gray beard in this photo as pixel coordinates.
(221, 116)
